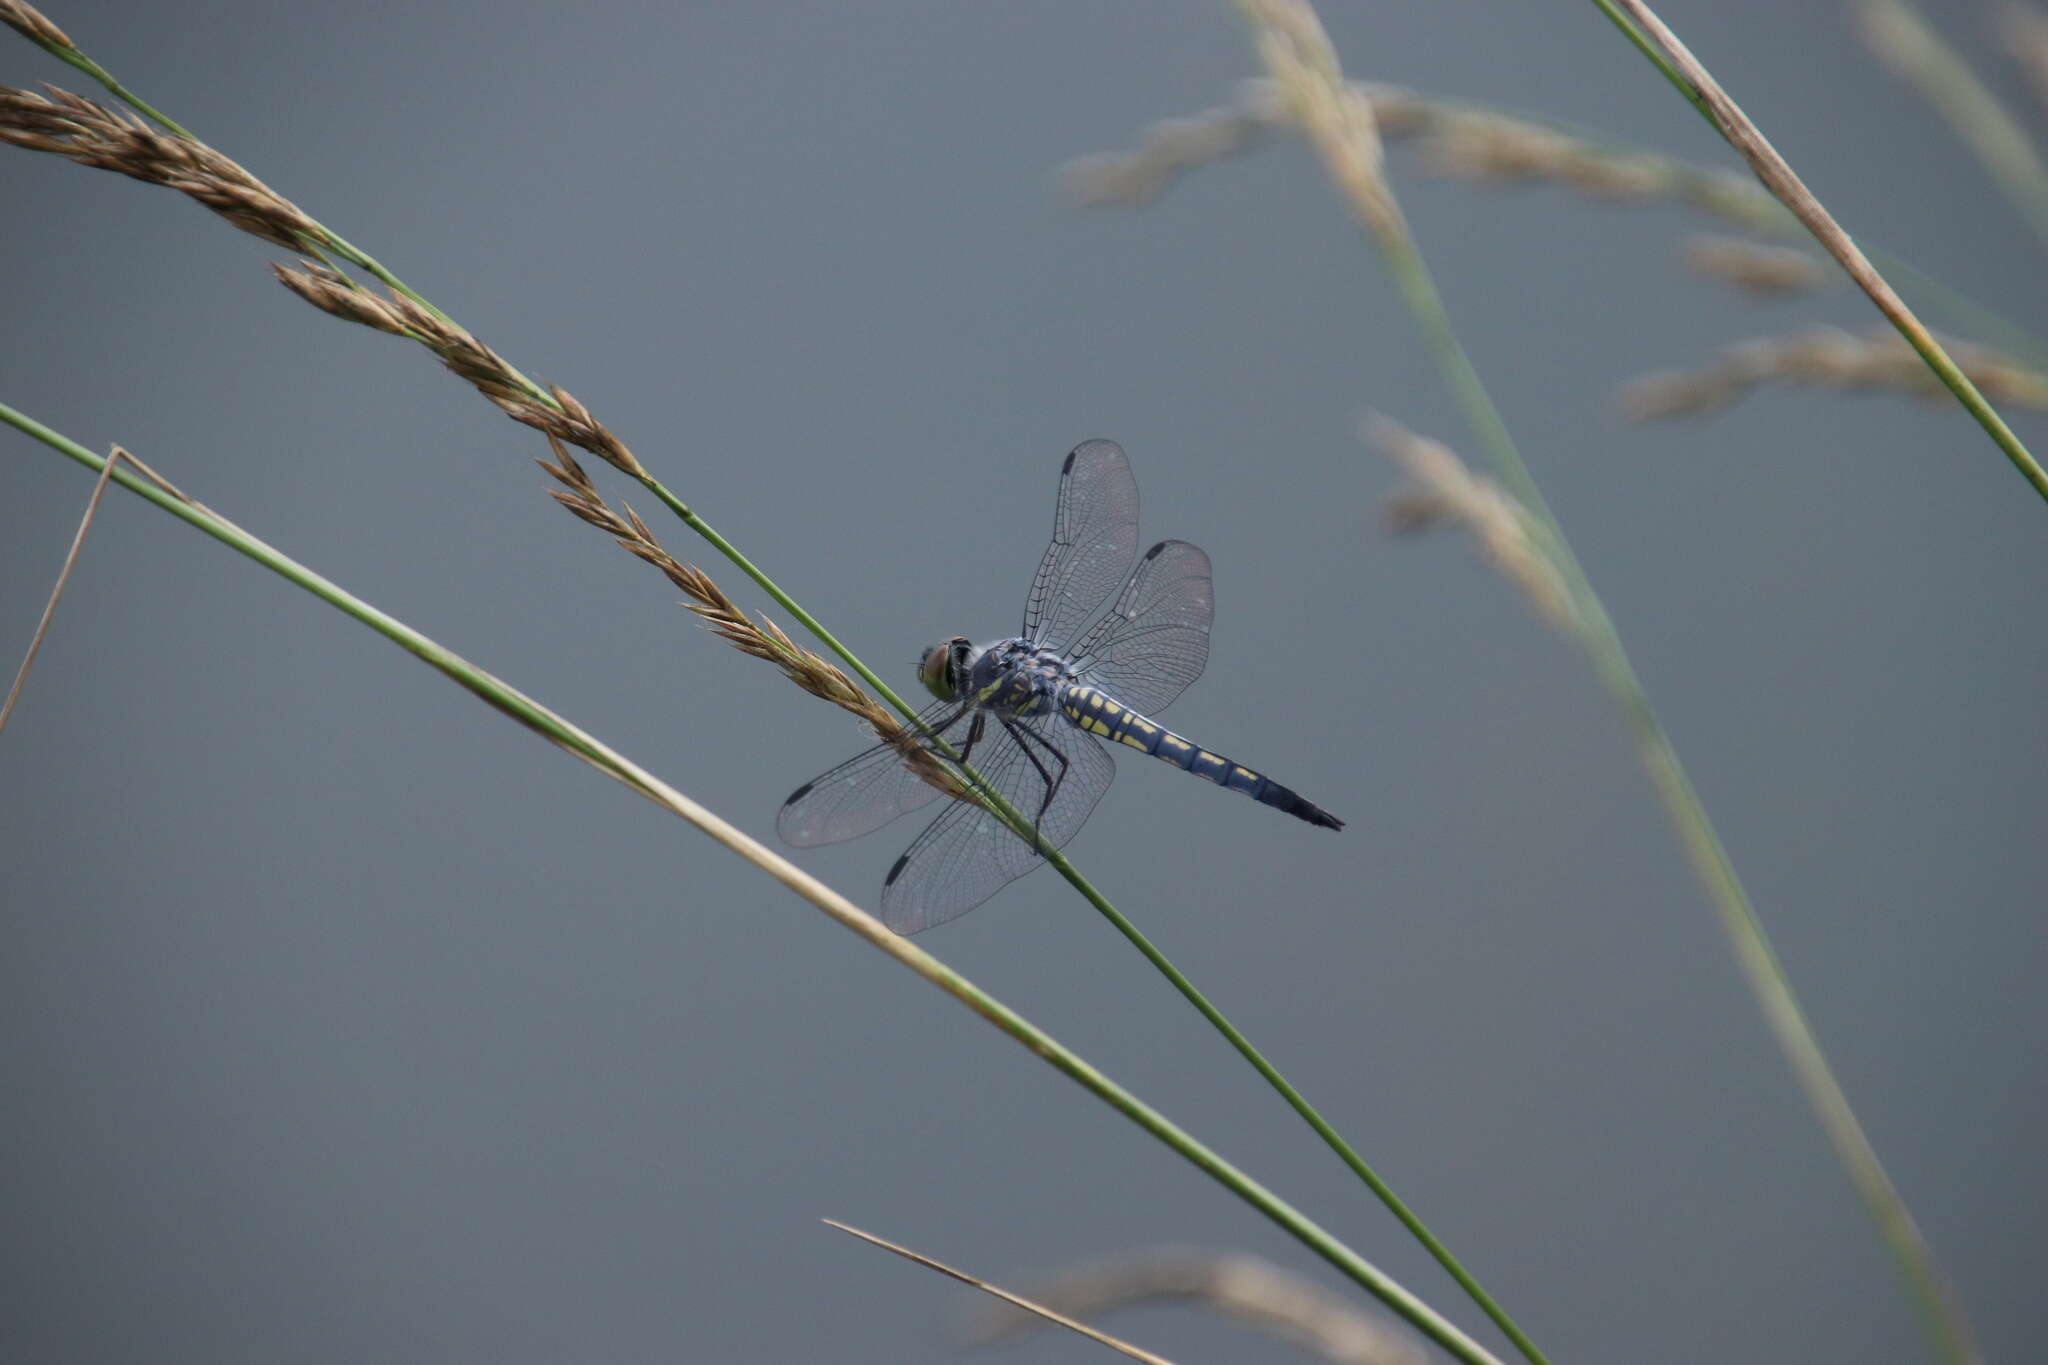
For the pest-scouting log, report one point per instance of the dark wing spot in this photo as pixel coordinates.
(800, 793)
(1153, 553)
(896, 871)
(1069, 465)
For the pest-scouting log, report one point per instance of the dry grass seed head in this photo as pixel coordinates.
(338, 296)
(1171, 147)
(468, 358)
(1456, 140)
(1165, 151)
(1765, 271)
(1828, 358)
(91, 134)
(1336, 115)
(762, 640)
(1246, 1288)
(1446, 492)
(31, 24)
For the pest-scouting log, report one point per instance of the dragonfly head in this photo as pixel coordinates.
(944, 670)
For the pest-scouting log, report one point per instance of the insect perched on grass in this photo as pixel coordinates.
(1029, 712)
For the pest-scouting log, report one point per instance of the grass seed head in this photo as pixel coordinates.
(559, 414)
(761, 640)
(1445, 492)
(91, 134)
(1877, 360)
(1765, 271)
(1456, 140)
(33, 25)
(1252, 1291)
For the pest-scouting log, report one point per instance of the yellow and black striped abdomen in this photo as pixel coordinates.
(1099, 714)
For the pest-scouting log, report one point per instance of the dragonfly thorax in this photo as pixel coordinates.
(1016, 676)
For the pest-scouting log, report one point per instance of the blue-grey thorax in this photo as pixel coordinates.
(1018, 677)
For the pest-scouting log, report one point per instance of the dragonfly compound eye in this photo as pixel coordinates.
(938, 672)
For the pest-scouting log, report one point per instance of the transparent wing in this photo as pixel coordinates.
(1094, 539)
(1155, 639)
(967, 855)
(867, 791)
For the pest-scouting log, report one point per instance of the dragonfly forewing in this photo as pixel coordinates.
(1094, 540)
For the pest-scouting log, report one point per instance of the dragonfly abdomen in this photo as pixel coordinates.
(1096, 712)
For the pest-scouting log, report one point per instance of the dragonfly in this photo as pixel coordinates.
(1030, 712)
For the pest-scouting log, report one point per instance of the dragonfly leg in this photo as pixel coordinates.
(973, 735)
(1026, 737)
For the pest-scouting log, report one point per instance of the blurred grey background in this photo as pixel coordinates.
(345, 1021)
